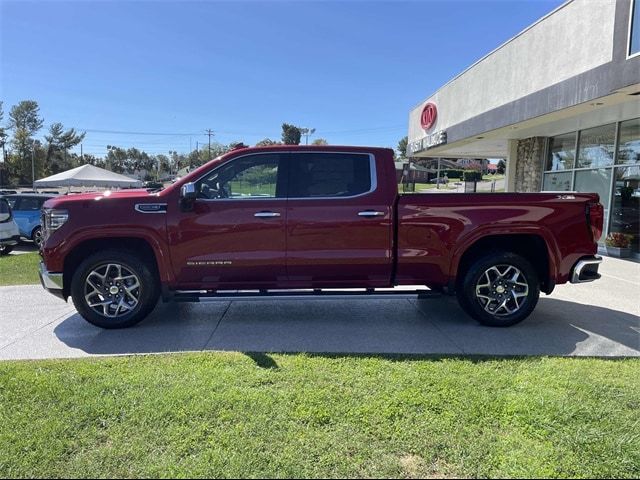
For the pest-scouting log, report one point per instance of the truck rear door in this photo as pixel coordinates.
(339, 221)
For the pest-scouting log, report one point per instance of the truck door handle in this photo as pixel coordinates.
(370, 213)
(266, 214)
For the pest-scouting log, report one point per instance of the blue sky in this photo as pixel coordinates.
(352, 69)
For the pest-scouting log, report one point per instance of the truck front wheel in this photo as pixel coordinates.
(499, 289)
(114, 289)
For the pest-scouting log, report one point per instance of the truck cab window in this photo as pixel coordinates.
(329, 175)
(254, 176)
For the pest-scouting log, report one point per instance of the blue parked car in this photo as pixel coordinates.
(26, 212)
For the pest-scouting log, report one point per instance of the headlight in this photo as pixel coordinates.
(54, 219)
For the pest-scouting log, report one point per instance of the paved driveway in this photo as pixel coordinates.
(597, 319)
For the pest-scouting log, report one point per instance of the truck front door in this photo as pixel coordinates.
(235, 235)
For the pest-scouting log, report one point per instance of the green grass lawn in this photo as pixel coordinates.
(19, 269)
(257, 415)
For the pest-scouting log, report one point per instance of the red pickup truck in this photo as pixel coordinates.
(298, 220)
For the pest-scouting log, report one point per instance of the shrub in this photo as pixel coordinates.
(619, 240)
(452, 173)
(472, 175)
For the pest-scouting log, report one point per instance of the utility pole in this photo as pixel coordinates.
(4, 160)
(81, 155)
(210, 132)
(33, 167)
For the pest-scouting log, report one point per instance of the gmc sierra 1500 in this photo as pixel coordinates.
(296, 220)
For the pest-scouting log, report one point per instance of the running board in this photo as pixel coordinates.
(317, 294)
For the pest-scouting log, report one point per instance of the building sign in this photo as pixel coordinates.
(429, 141)
(428, 117)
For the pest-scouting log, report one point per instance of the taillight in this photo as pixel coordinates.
(595, 218)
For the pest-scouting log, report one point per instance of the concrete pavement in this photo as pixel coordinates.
(597, 319)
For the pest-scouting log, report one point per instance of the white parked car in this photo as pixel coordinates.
(9, 233)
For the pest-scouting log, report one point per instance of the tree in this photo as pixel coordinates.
(60, 142)
(93, 160)
(290, 134)
(116, 159)
(234, 145)
(307, 132)
(319, 141)
(502, 167)
(266, 142)
(25, 116)
(25, 121)
(402, 147)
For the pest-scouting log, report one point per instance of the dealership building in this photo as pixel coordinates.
(560, 101)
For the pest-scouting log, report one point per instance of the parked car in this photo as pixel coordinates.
(440, 180)
(152, 185)
(273, 220)
(7, 192)
(26, 211)
(9, 233)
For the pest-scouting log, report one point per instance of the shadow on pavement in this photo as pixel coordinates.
(24, 247)
(388, 327)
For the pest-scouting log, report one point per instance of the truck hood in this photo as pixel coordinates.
(106, 196)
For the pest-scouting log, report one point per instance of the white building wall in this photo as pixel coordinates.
(573, 39)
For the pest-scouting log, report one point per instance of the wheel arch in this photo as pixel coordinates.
(136, 245)
(531, 246)
(33, 230)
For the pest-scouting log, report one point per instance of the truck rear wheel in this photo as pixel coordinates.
(499, 289)
(114, 289)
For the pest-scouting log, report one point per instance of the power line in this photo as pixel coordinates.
(122, 132)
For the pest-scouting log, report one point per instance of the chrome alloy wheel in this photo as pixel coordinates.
(502, 290)
(112, 290)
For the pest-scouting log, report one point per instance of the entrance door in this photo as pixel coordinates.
(235, 235)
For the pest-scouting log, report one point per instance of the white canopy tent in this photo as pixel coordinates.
(87, 176)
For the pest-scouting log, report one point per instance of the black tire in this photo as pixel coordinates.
(36, 236)
(6, 250)
(477, 300)
(146, 294)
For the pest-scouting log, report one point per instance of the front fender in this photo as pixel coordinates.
(57, 249)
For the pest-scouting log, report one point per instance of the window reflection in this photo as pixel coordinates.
(629, 144)
(557, 182)
(597, 147)
(625, 212)
(562, 152)
(594, 167)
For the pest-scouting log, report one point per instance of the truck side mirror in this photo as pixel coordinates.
(188, 195)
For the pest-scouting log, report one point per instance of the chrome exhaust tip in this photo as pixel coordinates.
(586, 270)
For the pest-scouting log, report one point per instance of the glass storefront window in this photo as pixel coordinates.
(595, 181)
(562, 152)
(596, 161)
(625, 210)
(557, 182)
(597, 147)
(629, 144)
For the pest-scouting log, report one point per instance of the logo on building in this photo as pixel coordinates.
(428, 141)
(428, 117)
